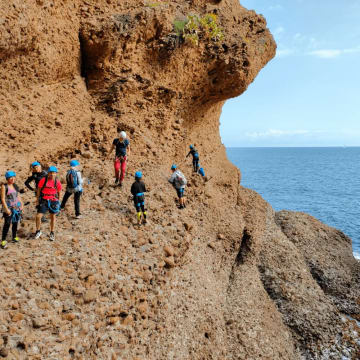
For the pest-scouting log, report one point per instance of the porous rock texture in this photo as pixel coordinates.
(226, 278)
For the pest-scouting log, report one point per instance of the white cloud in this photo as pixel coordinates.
(275, 7)
(278, 30)
(284, 52)
(333, 53)
(275, 133)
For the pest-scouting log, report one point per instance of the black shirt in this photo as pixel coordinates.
(138, 187)
(36, 176)
(193, 152)
(121, 146)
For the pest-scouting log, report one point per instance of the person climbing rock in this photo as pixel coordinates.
(195, 156)
(37, 174)
(12, 206)
(47, 200)
(122, 150)
(178, 180)
(138, 191)
(74, 186)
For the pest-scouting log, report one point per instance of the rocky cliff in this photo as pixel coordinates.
(226, 278)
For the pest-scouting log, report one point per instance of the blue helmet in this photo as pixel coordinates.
(173, 167)
(35, 163)
(191, 146)
(138, 175)
(10, 174)
(53, 169)
(74, 163)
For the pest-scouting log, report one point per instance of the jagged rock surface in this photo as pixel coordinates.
(227, 278)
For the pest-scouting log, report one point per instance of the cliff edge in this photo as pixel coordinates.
(226, 278)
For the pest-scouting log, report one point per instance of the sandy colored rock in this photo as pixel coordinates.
(73, 73)
(169, 251)
(90, 296)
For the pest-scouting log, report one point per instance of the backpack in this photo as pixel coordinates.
(44, 186)
(196, 155)
(72, 179)
(180, 179)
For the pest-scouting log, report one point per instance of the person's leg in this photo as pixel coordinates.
(197, 165)
(144, 212)
(6, 227)
(65, 199)
(194, 164)
(52, 222)
(77, 196)
(123, 169)
(14, 231)
(117, 169)
(39, 215)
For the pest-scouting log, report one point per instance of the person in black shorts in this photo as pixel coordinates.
(138, 191)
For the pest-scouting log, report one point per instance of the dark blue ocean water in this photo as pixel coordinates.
(323, 182)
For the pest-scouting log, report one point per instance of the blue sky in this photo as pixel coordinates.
(309, 94)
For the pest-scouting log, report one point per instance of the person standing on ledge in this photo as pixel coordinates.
(195, 156)
(138, 191)
(178, 180)
(122, 150)
(47, 200)
(12, 207)
(74, 184)
(37, 173)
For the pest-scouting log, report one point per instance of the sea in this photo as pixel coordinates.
(321, 181)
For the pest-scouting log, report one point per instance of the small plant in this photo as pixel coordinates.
(191, 28)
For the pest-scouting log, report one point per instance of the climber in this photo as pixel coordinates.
(74, 184)
(36, 176)
(122, 146)
(178, 180)
(12, 207)
(47, 200)
(195, 156)
(138, 191)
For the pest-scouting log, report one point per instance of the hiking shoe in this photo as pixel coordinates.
(52, 236)
(37, 234)
(116, 181)
(16, 239)
(120, 184)
(144, 221)
(4, 244)
(78, 217)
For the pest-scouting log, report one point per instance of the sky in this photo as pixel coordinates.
(309, 94)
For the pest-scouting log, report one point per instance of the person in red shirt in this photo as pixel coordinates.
(47, 200)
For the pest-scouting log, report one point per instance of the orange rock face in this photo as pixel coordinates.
(225, 278)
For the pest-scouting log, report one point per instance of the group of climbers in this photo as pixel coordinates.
(48, 190)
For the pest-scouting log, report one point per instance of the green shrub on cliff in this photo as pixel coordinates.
(195, 27)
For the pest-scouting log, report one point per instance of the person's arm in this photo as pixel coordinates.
(132, 189)
(38, 195)
(7, 210)
(28, 181)
(172, 178)
(188, 153)
(59, 188)
(21, 203)
(128, 149)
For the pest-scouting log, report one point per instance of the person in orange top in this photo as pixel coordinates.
(47, 200)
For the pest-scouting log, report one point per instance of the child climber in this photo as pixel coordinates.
(137, 190)
(195, 156)
(37, 173)
(12, 207)
(74, 184)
